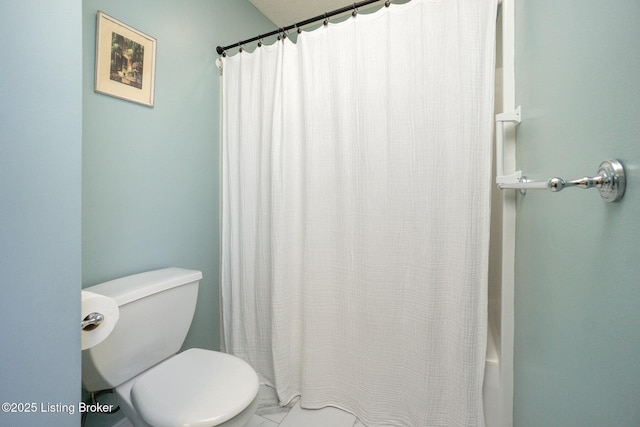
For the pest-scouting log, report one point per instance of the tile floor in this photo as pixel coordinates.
(269, 414)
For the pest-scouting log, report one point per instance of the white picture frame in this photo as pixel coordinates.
(125, 61)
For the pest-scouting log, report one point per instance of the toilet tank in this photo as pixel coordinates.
(156, 309)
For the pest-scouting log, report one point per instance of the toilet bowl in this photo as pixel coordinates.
(153, 383)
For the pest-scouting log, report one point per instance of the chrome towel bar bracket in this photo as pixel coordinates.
(610, 182)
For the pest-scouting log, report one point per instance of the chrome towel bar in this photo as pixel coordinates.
(610, 182)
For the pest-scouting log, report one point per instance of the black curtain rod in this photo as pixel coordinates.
(353, 7)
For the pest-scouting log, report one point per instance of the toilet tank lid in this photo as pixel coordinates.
(131, 288)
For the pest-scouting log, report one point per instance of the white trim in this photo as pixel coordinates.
(508, 217)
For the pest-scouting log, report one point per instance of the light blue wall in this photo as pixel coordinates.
(40, 149)
(150, 175)
(577, 305)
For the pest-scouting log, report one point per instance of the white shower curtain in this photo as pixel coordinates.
(356, 185)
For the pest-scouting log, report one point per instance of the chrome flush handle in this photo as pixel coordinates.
(92, 321)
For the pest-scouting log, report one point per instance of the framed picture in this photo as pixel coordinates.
(125, 61)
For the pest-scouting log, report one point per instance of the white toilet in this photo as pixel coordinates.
(156, 386)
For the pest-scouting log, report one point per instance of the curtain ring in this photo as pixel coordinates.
(239, 47)
(387, 3)
(326, 20)
(298, 29)
(355, 11)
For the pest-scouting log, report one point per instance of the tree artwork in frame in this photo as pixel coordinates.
(125, 61)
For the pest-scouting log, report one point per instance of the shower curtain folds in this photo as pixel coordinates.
(349, 277)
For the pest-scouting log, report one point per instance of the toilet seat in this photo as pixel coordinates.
(195, 388)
